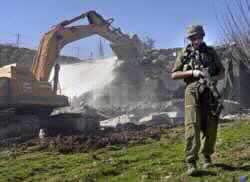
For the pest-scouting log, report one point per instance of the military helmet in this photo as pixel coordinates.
(195, 30)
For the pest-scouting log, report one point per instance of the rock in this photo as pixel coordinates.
(156, 119)
(113, 122)
(230, 107)
(157, 62)
(162, 57)
(230, 117)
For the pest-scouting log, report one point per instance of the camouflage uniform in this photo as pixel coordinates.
(198, 116)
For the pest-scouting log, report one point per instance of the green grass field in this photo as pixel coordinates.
(151, 161)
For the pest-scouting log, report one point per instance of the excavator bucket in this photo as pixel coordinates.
(95, 18)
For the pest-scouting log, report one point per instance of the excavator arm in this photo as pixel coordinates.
(62, 34)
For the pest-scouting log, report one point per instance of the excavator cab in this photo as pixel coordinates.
(20, 90)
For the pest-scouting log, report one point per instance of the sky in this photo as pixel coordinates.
(163, 20)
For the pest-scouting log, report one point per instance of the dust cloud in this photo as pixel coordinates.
(77, 79)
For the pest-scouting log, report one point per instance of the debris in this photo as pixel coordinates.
(113, 122)
(155, 119)
(84, 143)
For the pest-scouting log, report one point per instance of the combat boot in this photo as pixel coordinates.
(207, 162)
(191, 168)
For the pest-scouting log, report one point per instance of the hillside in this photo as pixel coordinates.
(10, 54)
(147, 160)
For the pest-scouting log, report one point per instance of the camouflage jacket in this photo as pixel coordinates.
(191, 59)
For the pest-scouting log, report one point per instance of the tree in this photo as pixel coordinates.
(236, 28)
(149, 42)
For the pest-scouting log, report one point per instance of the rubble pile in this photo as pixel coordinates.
(242, 114)
(169, 113)
(146, 79)
(161, 60)
(157, 65)
(84, 143)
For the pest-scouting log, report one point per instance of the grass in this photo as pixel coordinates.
(153, 161)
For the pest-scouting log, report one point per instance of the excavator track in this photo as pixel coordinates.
(16, 128)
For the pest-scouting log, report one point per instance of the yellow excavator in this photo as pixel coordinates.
(22, 88)
(27, 90)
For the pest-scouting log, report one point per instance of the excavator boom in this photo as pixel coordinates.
(61, 35)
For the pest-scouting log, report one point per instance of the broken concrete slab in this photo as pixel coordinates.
(230, 107)
(113, 122)
(155, 119)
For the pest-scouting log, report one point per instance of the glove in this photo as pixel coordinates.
(198, 73)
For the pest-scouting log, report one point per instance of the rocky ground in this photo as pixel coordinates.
(122, 135)
(133, 156)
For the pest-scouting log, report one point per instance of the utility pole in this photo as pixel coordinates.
(78, 52)
(91, 55)
(18, 39)
(100, 49)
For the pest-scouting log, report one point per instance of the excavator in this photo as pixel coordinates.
(23, 88)
(27, 90)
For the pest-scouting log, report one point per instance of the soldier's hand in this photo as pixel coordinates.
(198, 73)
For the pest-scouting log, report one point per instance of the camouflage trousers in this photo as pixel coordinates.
(200, 124)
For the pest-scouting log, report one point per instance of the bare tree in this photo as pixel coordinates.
(149, 42)
(236, 28)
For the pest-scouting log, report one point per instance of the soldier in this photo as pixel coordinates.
(200, 102)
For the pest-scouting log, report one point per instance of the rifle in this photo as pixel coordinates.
(216, 101)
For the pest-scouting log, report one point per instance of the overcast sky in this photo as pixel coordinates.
(163, 20)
